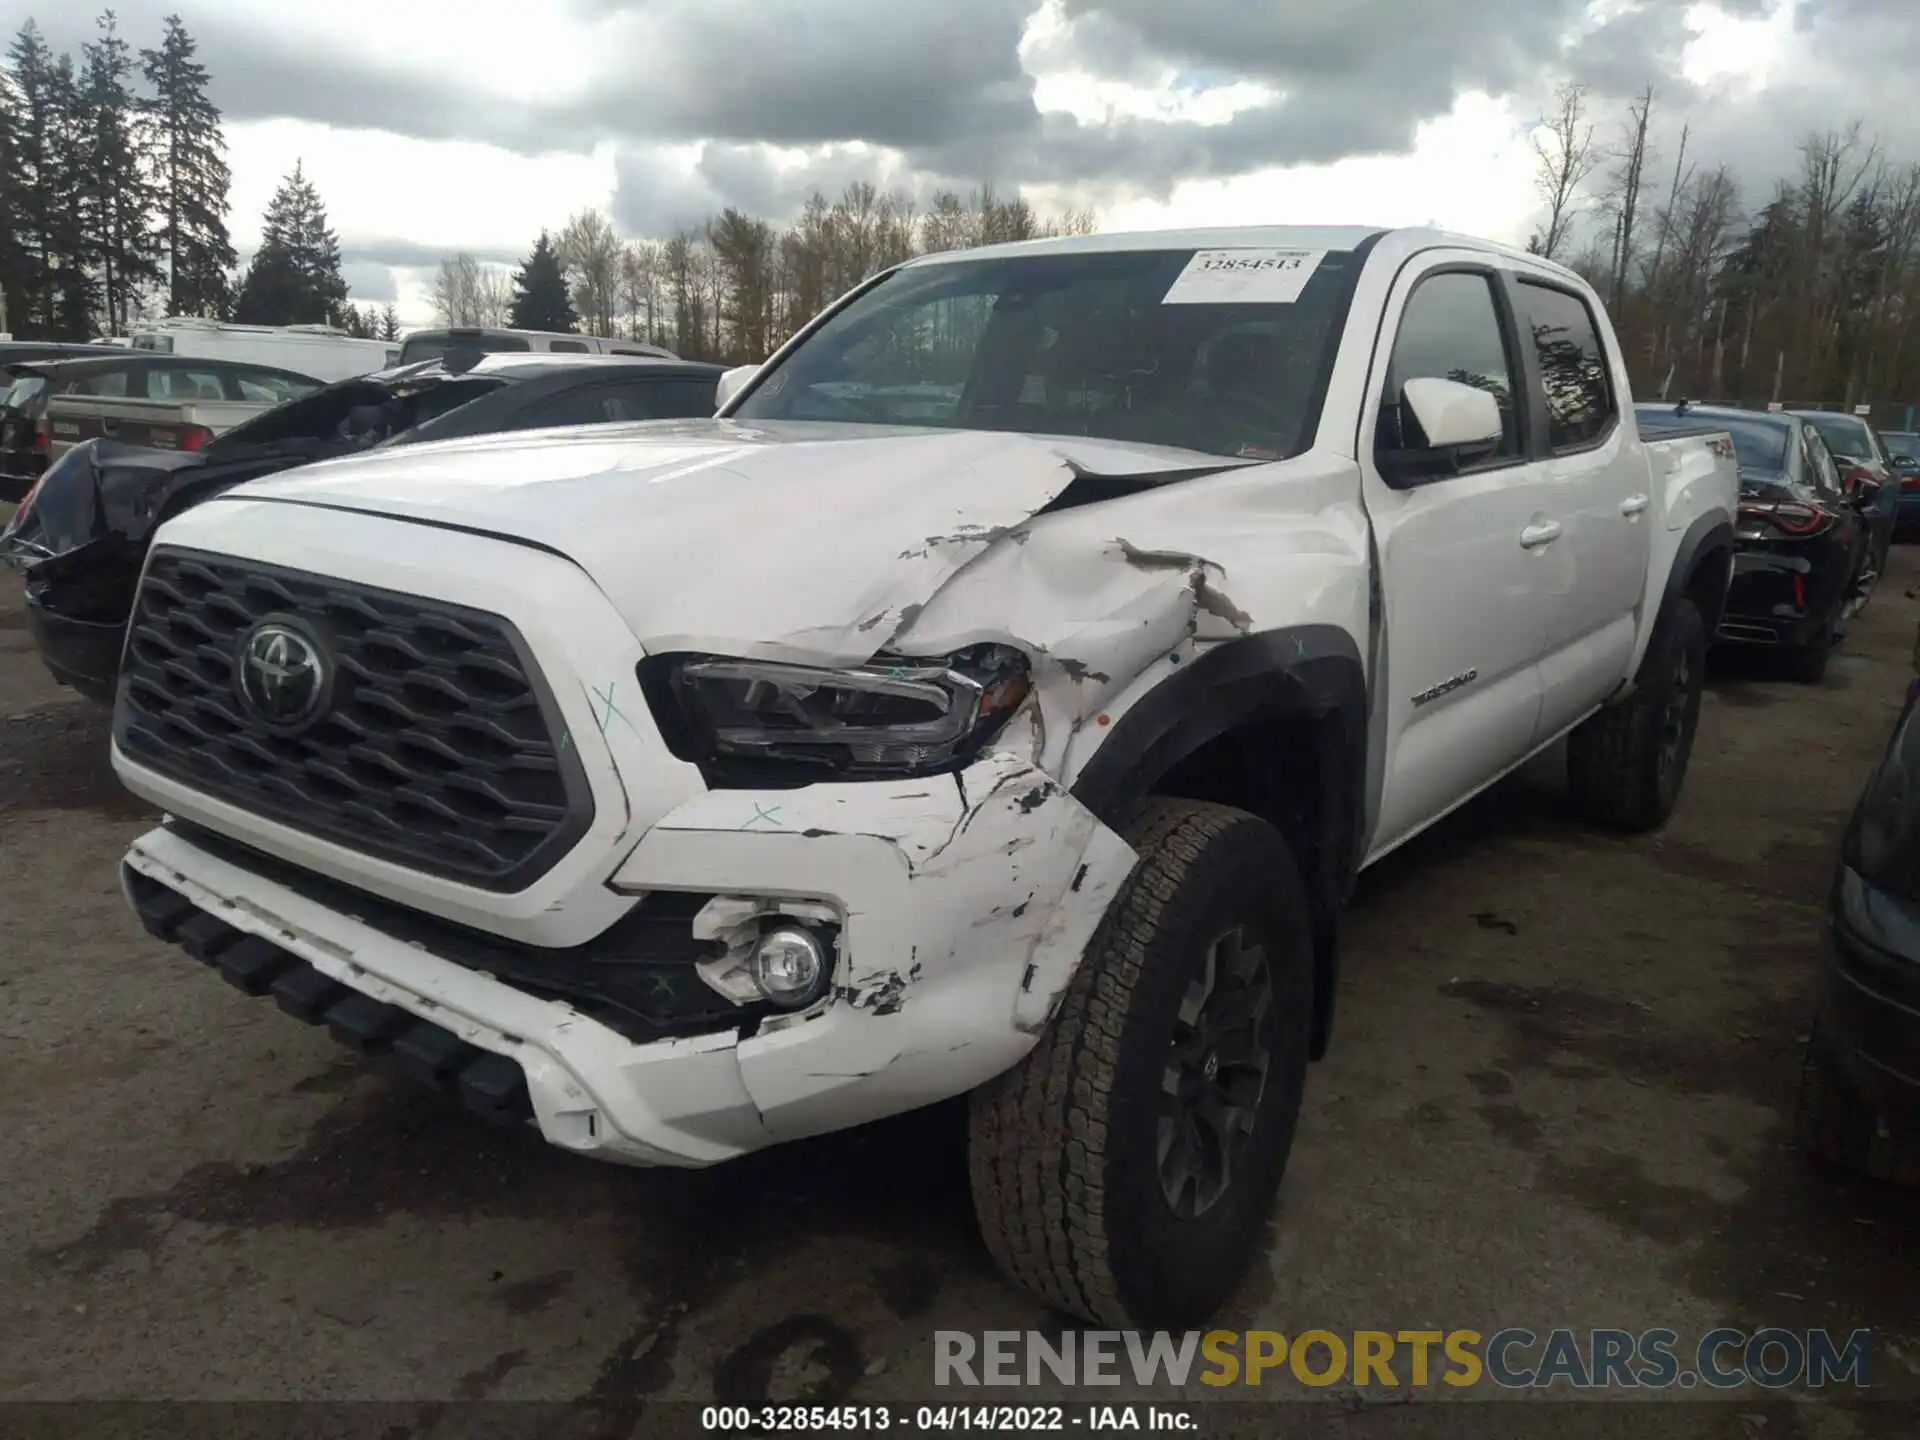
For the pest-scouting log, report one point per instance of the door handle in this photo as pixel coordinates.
(1534, 536)
(1633, 504)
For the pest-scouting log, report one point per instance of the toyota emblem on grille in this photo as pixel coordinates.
(283, 675)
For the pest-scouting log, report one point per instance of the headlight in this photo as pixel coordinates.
(892, 716)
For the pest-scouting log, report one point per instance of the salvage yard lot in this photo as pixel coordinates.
(1558, 1095)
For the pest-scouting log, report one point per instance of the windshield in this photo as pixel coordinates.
(1845, 437)
(434, 344)
(1757, 444)
(1222, 352)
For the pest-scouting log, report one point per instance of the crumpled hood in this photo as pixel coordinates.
(791, 541)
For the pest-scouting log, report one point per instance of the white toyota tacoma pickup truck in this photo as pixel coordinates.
(999, 697)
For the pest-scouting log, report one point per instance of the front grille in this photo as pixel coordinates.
(438, 747)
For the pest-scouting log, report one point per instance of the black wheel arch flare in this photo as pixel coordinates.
(1311, 673)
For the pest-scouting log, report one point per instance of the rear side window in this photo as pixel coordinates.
(1820, 467)
(569, 347)
(172, 384)
(1451, 330)
(263, 386)
(109, 384)
(1573, 366)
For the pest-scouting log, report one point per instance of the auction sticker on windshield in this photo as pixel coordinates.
(1244, 277)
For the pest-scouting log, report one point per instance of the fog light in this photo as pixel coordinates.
(790, 967)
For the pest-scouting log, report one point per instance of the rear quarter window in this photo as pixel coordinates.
(1574, 370)
(110, 385)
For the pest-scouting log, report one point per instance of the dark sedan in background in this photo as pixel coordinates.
(1864, 462)
(1804, 560)
(81, 535)
(116, 373)
(1904, 446)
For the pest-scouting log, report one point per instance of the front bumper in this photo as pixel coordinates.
(962, 921)
(1870, 992)
(78, 653)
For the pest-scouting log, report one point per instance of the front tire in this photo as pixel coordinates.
(1625, 765)
(1124, 1170)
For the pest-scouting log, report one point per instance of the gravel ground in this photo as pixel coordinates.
(1558, 1094)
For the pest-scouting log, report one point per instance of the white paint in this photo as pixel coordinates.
(966, 902)
(1244, 277)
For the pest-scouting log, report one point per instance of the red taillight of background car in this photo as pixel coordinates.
(1790, 517)
(43, 435)
(1910, 482)
(185, 437)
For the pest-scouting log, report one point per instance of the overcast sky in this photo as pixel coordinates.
(430, 125)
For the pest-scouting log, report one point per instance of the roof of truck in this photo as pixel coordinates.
(1239, 237)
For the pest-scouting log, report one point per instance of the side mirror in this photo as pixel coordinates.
(1451, 415)
(1452, 420)
(732, 383)
(1906, 462)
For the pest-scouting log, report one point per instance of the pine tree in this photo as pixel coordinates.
(115, 196)
(73, 248)
(294, 277)
(389, 323)
(37, 123)
(540, 299)
(188, 155)
(15, 274)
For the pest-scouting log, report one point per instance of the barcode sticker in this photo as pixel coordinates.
(1244, 277)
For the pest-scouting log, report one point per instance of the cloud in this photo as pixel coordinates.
(369, 283)
(671, 109)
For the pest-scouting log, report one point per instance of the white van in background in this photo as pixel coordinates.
(321, 351)
(433, 344)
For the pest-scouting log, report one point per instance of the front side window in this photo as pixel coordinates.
(1116, 345)
(568, 347)
(1846, 437)
(1451, 330)
(1573, 366)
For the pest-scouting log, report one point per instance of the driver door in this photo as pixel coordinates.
(1460, 556)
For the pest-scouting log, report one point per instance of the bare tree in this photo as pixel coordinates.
(493, 296)
(457, 290)
(1621, 203)
(1563, 151)
(591, 251)
(641, 267)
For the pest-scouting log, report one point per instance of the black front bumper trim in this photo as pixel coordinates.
(492, 1086)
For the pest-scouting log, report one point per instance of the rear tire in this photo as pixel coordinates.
(1841, 1127)
(1626, 765)
(1807, 664)
(1094, 1161)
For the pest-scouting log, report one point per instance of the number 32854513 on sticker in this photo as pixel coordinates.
(1244, 277)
